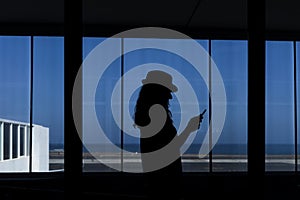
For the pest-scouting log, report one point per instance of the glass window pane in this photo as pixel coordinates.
(279, 106)
(14, 99)
(230, 152)
(116, 97)
(111, 103)
(48, 106)
(192, 94)
(101, 134)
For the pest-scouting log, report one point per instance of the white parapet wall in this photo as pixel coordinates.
(15, 165)
(40, 149)
(15, 147)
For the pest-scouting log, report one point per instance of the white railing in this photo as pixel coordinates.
(15, 147)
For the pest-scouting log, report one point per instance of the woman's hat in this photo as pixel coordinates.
(160, 78)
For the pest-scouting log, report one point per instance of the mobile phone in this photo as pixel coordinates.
(203, 112)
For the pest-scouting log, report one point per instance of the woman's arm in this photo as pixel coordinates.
(193, 125)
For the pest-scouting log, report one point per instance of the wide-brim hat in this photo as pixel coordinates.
(160, 78)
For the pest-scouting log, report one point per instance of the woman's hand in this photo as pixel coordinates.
(194, 123)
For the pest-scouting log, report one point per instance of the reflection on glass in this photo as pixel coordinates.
(280, 106)
(230, 152)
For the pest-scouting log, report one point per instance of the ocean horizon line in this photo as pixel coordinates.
(225, 149)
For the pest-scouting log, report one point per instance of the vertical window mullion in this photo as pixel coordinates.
(295, 106)
(31, 104)
(256, 93)
(122, 104)
(72, 62)
(209, 105)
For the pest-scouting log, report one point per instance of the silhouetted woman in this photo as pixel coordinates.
(159, 142)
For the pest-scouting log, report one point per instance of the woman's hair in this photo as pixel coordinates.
(149, 95)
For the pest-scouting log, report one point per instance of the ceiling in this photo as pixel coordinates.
(282, 15)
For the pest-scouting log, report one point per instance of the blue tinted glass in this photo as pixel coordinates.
(48, 95)
(14, 99)
(150, 54)
(231, 59)
(108, 142)
(279, 104)
(15, 78)
(49, 86)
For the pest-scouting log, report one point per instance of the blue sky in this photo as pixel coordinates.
(48, 108)
(48, 91)
(229, 56)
